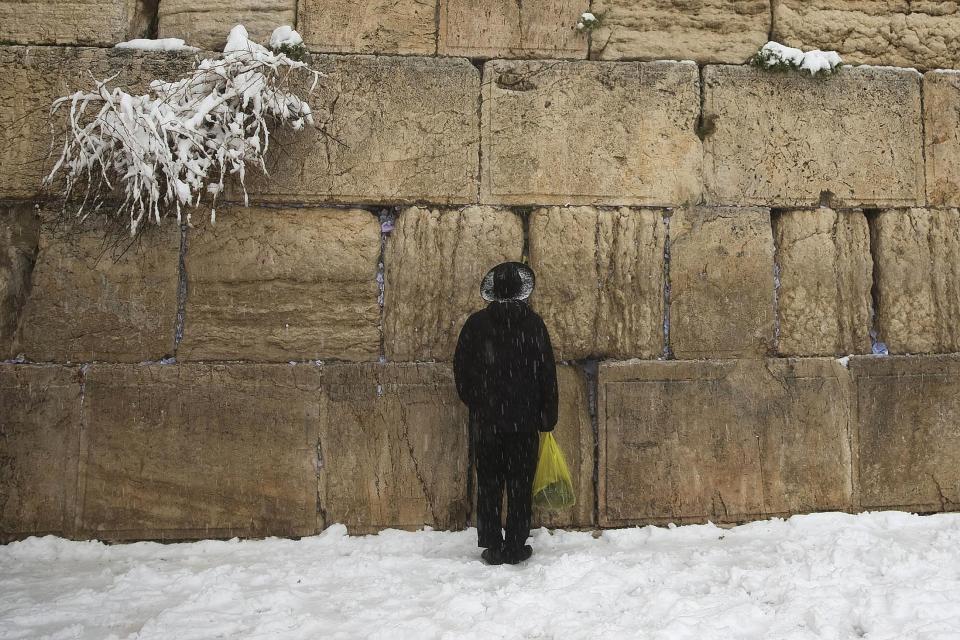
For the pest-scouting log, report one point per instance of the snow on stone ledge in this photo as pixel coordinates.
(285, 36)
(161, 44)
(774, 55)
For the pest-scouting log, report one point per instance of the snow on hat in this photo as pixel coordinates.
(508, 281)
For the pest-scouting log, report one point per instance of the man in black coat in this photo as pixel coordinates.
(506, 375)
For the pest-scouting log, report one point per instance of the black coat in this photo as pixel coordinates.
(505, 371)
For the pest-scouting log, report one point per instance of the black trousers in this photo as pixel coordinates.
(505, 461)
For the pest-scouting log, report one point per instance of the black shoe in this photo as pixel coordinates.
(492, 556)
(518, 556)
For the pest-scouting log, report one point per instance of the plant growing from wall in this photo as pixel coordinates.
(587, 22)
(774, 56)
(175, 147)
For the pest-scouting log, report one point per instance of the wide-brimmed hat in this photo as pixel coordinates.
(508, 281)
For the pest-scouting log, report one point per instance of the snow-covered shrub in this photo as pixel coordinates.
(587, 22)
(174, 147)
(777, 57)
(288, 42)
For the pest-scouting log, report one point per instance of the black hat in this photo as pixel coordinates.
(508, 281)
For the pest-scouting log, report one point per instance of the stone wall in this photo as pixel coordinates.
(711, 243)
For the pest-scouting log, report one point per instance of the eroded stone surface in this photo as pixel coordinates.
(941, 120)
(98, 295)
(36, 76)
(511, 29)
(207, 24)
(599, 280)
(39, 423)
(283, 284)
(826, 273)
(917, 254)
(393, 448)
(74, 22)
(199, 451)
(389, 130)
(722, 440)
(785, 139)
(574, 435)
(19, 237)
(434, 262)
(721, 283)
(909, 432)
(590, 133)
(706, 31)
(371, 26)
(889, 32)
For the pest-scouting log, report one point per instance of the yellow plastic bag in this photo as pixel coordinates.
(552, 486)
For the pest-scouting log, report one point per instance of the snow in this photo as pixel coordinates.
(816, 61)
(160, 44)
(776, 55)
(881, 576)
(285, 36)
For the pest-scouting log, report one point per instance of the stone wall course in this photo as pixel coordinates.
(599, 280)
(917, 272)
(786, 140)
(434, 262)
(207, 24)
(586, 132)
(74, 22)
(706, 31)
(825, 277)
(283, 284)
(369, 26)
(19, 239)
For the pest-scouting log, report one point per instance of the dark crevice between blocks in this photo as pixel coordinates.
(666, 353)
(182, 289)
(388, 218)
(591, 370)
(877, 346)
(775, 215)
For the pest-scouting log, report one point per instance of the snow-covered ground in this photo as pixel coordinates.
(880, 575)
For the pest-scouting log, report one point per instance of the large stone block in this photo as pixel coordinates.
(590, 133)
(369, 26)
(207, 24)
(826, 273)
(723, 440)
(74, 22)
(393, 448)
(909, 432)
(389, 130)
(900, 33)
(917, 268)
(511, 29)
(199, 451)
(941, 129)
(721, 283)
(283, 284)
(575, 436)
(97, 295)
(786, 139)
(705, 31)
(36, 76)
(39, 426)
(19, 237)
(599, 280)
(434, 263)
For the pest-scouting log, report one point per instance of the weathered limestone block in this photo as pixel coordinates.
(511, 29)
(777, 139)
(199, 451)
(393, 447)
(590, 133)
(434, 262)
(917, 254)
(96, 296)
(888, 32)
(389, 130)
(909, 432)
(574, 434)
(39, 423)
(941, 128)
(19, 236)
(283, 284)
(369, 26)
(36, 76)
(721, 283)
(599, 280)
(705, 31)
(826, 273)
(723, 440)
(207, 24)
(74, 22)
